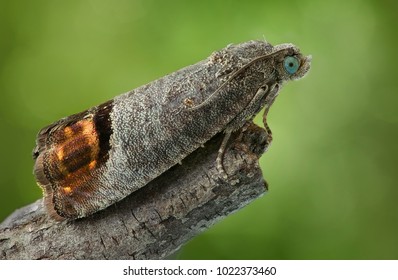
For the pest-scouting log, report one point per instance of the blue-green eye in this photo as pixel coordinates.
(291, 64)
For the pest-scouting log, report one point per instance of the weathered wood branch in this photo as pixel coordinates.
(153, 222)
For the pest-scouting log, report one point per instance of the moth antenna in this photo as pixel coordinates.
(236, 73)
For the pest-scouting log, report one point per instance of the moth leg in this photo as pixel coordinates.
(269, 136)
(274, 91)
(223, 147)
(248, 113)
(220, 156)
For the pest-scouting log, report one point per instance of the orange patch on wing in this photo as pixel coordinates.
(60, 154)
(74, 153)
(69, 159)
(68, 132)
(92, 164)
(67, 190)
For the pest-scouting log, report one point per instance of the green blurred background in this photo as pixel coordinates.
(332, 168)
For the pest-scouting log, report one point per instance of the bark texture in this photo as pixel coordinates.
(153, 222)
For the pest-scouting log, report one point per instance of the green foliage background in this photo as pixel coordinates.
(332, 168)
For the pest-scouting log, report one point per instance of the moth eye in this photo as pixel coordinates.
(291, 64)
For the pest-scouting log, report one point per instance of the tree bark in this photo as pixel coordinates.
(153, 222)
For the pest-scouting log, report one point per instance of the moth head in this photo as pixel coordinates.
(290, 64)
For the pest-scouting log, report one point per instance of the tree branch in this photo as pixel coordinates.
(156, 220)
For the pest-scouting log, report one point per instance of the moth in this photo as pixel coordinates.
(87, 161)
